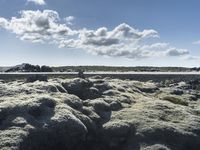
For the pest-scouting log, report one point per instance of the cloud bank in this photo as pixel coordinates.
(122, 41)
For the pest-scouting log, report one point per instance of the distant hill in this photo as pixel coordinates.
(2, 69)
(28, 68)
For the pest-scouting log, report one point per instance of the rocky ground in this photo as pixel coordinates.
(99, 114)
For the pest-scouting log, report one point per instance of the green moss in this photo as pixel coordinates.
(175, 100)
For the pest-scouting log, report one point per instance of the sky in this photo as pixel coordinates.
(100, 32)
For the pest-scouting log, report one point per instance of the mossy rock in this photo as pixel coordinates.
(175, 100)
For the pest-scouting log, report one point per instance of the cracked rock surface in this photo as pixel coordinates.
(99, 114)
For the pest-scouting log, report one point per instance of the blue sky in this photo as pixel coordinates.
(135, 33)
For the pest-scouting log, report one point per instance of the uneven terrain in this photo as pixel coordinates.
(99, 114)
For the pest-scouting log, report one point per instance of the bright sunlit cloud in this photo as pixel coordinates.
(37, 2)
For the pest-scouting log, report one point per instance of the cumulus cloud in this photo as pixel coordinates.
(3, 22)
(121, 34)
(37, 2)
(69, 20)
(37, 26)
(121, 41)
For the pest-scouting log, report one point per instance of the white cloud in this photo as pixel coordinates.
(37, 26)
(69, 20)
(121, 34)
(37, 2)
(122, 41)
(3, 22)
